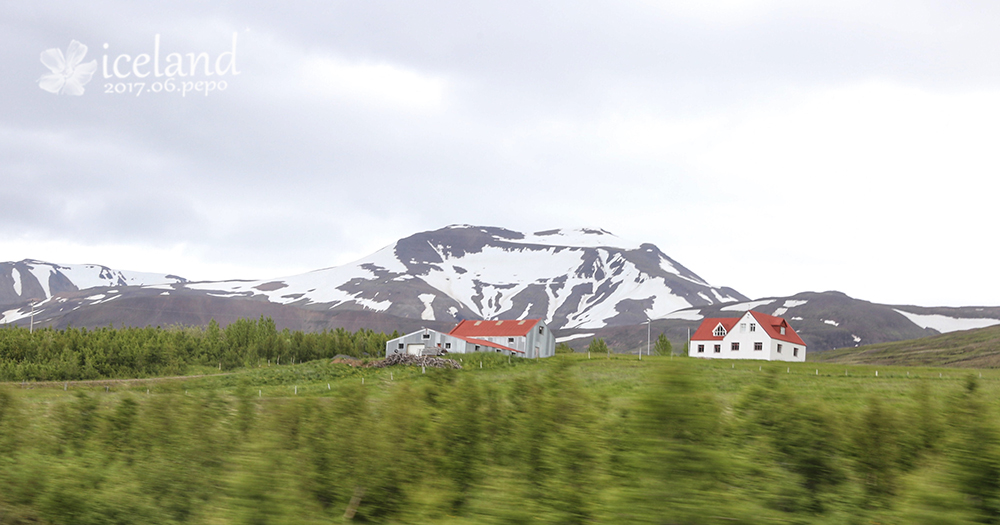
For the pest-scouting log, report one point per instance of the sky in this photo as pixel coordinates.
(771, 146)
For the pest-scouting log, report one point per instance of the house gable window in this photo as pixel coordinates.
(782, 330)
(720, 331)
(753, 327)
(400, 346)
(743, 327)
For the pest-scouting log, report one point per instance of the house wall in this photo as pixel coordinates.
(448, 343)
(746, 332)
(787, 352)
(431, 342)
(540, 343)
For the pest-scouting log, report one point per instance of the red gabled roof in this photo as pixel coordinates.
(770, 324)
(484, 342)
(506, 328)
(706, 331)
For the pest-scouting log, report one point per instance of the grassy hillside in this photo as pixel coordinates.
(978, 348)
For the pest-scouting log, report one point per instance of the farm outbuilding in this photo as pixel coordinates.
(529, 338)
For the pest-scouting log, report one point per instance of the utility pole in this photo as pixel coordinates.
(648, 321)
(31, 326)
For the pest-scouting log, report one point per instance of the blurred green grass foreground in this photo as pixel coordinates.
(561, 440)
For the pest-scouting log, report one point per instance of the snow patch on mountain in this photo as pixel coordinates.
(789, 303)
(741, 307)
(685, 315)
(428, 300)
(321, 286)
(42, 274)
(944, 324)
(92, 275)
(378, 306)
(572, 337)
(13, 315)
(576, 237)
(15, 274)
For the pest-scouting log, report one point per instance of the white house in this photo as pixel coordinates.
(753, 336)
(520, 338)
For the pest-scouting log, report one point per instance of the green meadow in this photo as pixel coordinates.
(561, 440)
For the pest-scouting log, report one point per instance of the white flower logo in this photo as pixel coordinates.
(68, 74)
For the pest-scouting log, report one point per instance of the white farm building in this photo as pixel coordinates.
(753, 336)
(529, 338)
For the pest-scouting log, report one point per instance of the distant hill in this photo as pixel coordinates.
(824, 320)
(977, 348)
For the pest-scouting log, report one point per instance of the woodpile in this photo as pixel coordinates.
(416, 360)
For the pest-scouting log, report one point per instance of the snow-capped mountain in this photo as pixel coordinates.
(583, 278)
(31, 280)
(586, 283)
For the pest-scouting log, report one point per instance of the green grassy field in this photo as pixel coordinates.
(978, 348)
(562, 440)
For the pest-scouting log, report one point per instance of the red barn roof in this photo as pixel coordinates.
(509, 328)
(771, 324)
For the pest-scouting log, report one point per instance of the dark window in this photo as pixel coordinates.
(795, 351)
(735, 346)
(510, 339)
(758, 346)
(718, 348)
(447, 345)
(753, 327)
(400, 346)
(541, 329)
(779, 348)
(427, 336)
(477, 348)
(701, 349)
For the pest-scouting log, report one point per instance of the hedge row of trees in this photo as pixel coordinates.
(538, 448)
(78, 353)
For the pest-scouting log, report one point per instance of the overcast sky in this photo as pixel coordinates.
(771, 146)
